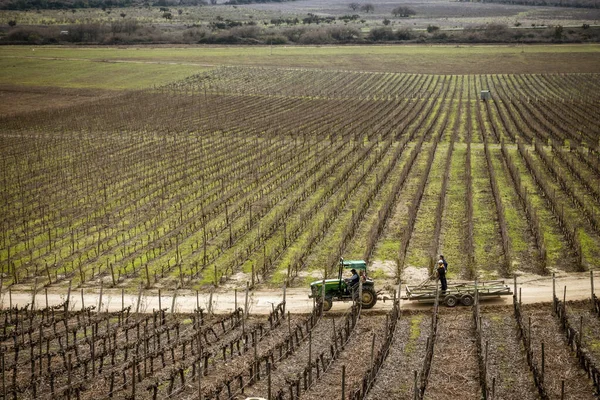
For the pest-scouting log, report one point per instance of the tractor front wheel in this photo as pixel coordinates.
(369, 298)
(327, 304)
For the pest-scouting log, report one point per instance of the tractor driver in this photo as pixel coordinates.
(353, 280)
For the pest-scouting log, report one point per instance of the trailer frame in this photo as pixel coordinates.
(462, 292)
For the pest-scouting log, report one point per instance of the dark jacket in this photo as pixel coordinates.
(441, 270)
(353, 280)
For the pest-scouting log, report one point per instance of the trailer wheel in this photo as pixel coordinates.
(450, 300)
(466, 300)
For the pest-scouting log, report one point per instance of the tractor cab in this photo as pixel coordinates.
(339, 289)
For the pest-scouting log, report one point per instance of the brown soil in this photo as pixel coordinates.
(23, 99)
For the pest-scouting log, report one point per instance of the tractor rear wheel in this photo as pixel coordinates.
(369, 298)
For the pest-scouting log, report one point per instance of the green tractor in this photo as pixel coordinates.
(340, 289)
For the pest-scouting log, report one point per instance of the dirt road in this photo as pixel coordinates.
(533, 289)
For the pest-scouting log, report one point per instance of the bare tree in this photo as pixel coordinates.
(402, 11)
(368, 7)
(354, 6)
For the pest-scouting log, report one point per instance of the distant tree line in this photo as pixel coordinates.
(62, 4)
(255, 1)
(103, 4)
(73, 4)
(550, 3)
(284, 31)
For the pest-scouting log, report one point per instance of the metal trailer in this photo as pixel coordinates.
(457, 292)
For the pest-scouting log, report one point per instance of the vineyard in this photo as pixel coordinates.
(486, 352)
(269, 175)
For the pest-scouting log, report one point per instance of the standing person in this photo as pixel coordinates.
(441, 271)
(444, 261)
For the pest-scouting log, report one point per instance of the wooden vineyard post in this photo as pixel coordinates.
(93, 351)
(591, 283)
(334, 335)
(112, 273)
(3, 378)
(197, 300)
(246, 300)
(415, 396)
(255, 368)
(139, 300)
(100, 299)
(553, 286)
(284, 287)
(159, 301)
(543, 362)
(200, 365)
(343, 382)
(322, 295)
(69, 365)
(372, 353)
(485, 363)
(360, 295)
(122, 299)
(268, 380)
(33, 293)
(210, 302)
(133, 366)
(399, 293)
(477, 302)
(310, 357)
(68, 303)
(173, 303)
(515, 290)
(244, 324)
(235, 307)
